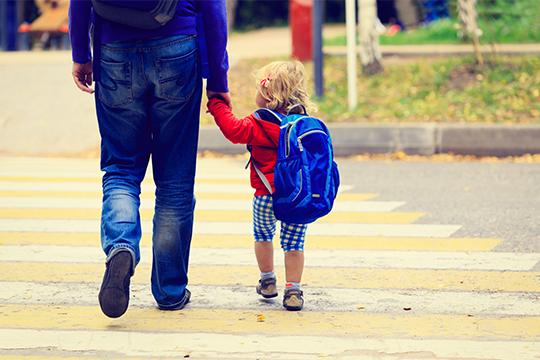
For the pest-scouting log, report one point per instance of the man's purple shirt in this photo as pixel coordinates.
(214, 14)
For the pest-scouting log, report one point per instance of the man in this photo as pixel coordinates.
(148, 93)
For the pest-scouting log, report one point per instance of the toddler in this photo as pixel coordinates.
(280, 86)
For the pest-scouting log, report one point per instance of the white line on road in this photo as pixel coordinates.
(119, 344)
(202, 204)
(241, 228)
(365, 259)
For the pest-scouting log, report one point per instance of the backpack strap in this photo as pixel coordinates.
(270, 116)
(275, 118)
(263, 178)
(294, 106)
(258, 171)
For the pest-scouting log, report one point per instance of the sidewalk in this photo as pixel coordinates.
(43, 114)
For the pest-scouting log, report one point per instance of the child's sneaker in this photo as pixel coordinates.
(267, 288)
(293, 299)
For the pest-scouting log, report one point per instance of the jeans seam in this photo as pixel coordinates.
(176, 42)
(149, 48)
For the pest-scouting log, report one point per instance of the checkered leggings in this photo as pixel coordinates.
(264, 226)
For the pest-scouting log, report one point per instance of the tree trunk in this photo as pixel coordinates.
(231, 12)
(370, 52)
(467, 19)
(468, 16)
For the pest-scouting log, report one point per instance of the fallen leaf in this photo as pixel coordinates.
(360, 307)
(261, 318)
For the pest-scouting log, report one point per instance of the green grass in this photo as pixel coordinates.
(450, 89)
(501, 21)
(440, 90)
(439, 32)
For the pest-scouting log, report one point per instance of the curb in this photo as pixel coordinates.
(414, 139)
(443, 50)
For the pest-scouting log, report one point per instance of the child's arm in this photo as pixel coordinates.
(238, 131)
(222, 96)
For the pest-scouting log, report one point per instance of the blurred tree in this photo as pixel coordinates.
(468, 17)
(370, 52)
(231, 11)
(255, 14)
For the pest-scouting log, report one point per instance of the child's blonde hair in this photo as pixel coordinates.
(284, 84)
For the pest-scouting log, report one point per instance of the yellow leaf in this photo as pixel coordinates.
(261, 318)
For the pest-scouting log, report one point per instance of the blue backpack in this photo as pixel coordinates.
(306, 178)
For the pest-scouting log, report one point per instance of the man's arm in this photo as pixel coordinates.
(79, 33)
(214, 15)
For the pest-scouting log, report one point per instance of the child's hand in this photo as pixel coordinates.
(226, 97)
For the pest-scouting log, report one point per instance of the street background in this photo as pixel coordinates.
(424, 259)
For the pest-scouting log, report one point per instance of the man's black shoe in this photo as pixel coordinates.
(114, 294)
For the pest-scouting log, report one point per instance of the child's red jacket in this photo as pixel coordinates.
(262, 135)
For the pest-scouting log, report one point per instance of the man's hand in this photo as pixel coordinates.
(224, 96)
(82, 75)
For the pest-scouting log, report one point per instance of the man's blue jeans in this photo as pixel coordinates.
(148, 104)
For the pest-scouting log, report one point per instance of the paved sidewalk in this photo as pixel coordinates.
(43, 114)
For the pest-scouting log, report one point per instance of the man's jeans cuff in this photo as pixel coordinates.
(119, 248)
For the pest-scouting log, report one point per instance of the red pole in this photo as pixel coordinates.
(301, 20)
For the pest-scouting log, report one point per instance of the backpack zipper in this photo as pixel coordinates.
(306, 134)
(288, 134)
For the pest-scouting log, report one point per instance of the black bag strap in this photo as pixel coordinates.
(141, 19)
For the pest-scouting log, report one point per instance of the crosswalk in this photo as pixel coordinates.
(378, 284)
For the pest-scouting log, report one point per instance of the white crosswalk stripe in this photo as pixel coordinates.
(317, 258)
(202, 204)
(240, 228)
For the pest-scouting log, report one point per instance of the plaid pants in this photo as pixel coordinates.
(264, 226)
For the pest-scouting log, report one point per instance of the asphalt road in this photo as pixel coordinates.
(490, 200)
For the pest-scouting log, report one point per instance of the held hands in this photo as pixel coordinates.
(82, 75)
(226, 97)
